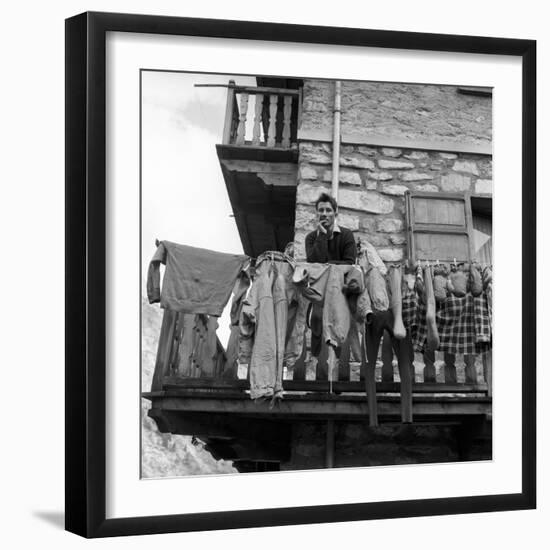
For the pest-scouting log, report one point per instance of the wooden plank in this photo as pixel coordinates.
(329, 406)
(488, 371)
(228, 122)
(446, 248)
(299, 369)
(264, 90)
(439, 211)
(440, 229)
(411, 250)
(186, 346)
(210, 349)
(343, 363)
(321, 370)
(322, 386)
(469, 225)
(164, 348)
(287, 100)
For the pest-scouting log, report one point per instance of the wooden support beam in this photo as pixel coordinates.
(322, 386)
(329, 454)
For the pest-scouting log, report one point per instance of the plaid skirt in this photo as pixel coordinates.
(464, 324)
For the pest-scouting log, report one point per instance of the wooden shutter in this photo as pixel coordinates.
(439, 226)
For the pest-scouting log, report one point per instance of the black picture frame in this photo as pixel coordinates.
(86, 280)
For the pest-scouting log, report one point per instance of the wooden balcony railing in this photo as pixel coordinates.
(275, 117)
(190, 355)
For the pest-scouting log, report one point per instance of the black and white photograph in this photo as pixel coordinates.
(316, 273)
(274, 275)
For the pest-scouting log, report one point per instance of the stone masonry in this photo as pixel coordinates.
(372, 184)
(400, 111)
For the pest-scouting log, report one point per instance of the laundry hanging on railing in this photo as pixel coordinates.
(271, 301)
(463, 311)
(196, 280)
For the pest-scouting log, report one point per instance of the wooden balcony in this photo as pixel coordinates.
(258, 158)
(199, 390)
(193, 372)
(261, 117)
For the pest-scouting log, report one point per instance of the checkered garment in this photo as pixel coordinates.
(464, 324)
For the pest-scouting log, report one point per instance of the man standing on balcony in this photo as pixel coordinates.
(329, 243)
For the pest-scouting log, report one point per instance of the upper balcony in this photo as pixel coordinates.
(258, 158)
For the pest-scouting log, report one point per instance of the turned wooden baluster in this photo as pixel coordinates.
(257, 120)
(242, 119)
(286, 122)
(272, 120)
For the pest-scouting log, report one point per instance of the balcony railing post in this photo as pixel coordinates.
(286, 121)
(229, 105)
(164, 351)
(257, 120)
(273, 99)
(241, 129)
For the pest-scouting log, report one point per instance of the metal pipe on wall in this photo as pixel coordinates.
(336, 138)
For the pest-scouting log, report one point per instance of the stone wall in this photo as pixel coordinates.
(357, 444)
(399, 111)
(373, 181)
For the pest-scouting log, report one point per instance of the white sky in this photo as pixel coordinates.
(184, 198)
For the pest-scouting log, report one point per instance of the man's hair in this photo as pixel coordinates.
(325, 197)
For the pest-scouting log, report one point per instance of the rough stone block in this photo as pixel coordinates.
(367, 201)
(381, 176)
(391, 254)
(486, 168)
(448, 156)
(350, 221)
(306, 218)
(396, 190)
(455, 183)
(430, 187)
(367, 151)
(316, 153)
(466, 166)
(357, 162)
(484, 187)
(370, 183)
(416, 155)
(391, 152)
(376, 239)
(368, 224)
(345, 176)
(395, 164)
(398, 239)
(308, 193)
(389, 225)
(416, 176)
(308, 173)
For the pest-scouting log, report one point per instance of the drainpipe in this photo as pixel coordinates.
(336, 138)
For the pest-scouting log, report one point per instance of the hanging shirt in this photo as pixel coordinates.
(196, 280)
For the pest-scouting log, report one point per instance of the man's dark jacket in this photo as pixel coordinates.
(340, 249)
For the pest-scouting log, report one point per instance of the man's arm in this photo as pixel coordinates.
(317, 247)
(349, 249)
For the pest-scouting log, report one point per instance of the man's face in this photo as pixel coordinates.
(326, 215)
